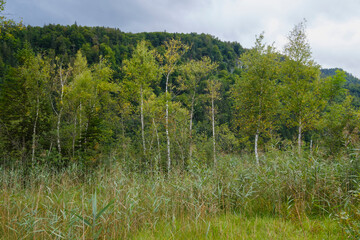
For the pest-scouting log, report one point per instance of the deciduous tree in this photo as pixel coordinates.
(256, 93)
(302, 96)
(193, 72)
(142, 69)
(174, 50)
(213, 87)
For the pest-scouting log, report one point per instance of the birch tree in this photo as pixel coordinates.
(61, 82)
(155, 109)
(302, 97)
(213, 87)
(36, 73)
(174, 50)
(87, 99)
(142, 69)
(255, 93)
(193, 72)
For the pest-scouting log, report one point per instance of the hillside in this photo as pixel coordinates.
(95, 41)
(352, 83)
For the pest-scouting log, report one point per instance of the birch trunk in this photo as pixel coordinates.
(256, 147)
(158, 143)
(123, 136)
(74, 136)
(34, 131)
(257, 129)
(142, 119)
(58, 130)
(299, 137)
(80, 124)
(167, 123)
(62, 83)
(190, 127)
(213, 128)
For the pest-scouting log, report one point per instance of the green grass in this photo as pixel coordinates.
(232, 226)
(287, 197)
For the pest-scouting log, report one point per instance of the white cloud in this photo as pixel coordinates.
(337, 43)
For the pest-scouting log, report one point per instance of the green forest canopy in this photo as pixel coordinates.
(66, 96)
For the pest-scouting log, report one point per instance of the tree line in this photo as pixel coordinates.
(161, 101)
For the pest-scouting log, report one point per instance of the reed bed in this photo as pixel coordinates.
(115, 203)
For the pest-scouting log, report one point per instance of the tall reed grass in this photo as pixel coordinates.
(115, 203)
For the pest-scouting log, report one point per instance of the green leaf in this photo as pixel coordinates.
(104, 209)
(84, 220)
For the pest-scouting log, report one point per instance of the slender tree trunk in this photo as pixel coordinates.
(123, 136)
(80, 125)
(86, 130)
(256, 147)
(142, 119)
(34, 131)
(58, 130)
(213, 128)
(299, 137)
(158, 143)
(74, 136)
(50, 148)
(62, 83)
(190, 127)
(258, 127)
(167, 124)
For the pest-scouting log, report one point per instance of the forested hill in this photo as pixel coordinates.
(163, 100)
(95, 41)
(328, 72)
(352, 83)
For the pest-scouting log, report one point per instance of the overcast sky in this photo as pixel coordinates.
(333, 26)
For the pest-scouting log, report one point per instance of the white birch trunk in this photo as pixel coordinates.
(62, 83)
(158, 144)
(257, 130)
(213, 128)
(58, 131)
(167, 123)
(80, 124)
(190, 127)
(299, 137)
(256, 147)
(142, 119)
(123, 136)
(74, 136)
(34, 131)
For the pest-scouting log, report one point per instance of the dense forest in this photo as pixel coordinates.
(82, 94)
(175, 136)
(60, 54)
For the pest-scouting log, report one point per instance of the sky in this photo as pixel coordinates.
(333, 26)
